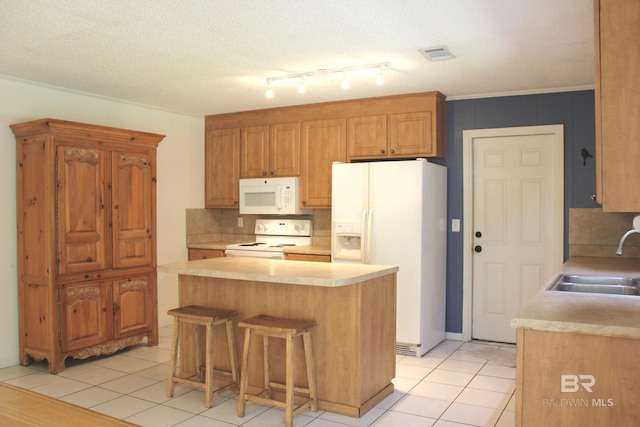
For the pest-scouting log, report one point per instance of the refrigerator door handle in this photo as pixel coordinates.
(363, 237)
(368, 237)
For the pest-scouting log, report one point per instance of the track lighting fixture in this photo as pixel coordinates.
(269, 93)
(345, 80)
(301, 78)
(380, 78)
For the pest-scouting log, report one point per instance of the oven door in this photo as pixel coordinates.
(254, 254)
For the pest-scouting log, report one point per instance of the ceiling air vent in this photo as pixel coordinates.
(436, 53)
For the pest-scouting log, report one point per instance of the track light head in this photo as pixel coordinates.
(269, 92)
(345, 80)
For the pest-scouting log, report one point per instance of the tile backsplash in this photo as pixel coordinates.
(595, 233)
(209, 225)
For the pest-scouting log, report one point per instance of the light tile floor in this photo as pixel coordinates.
(447, 387)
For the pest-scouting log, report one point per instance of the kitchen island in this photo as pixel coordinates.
(354, 306)
(578, 353)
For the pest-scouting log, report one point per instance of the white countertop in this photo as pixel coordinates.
(597, 314)
(314, 249)
(280, 271)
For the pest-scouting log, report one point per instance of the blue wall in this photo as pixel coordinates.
(576, 110)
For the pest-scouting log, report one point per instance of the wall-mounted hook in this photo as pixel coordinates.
(585, 154)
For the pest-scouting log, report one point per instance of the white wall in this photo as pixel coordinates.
(180, 180)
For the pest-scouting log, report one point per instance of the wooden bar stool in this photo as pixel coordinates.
(207, 317)
(288, 329)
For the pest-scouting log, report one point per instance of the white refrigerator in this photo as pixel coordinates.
(395, 213)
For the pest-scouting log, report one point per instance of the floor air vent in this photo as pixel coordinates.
(407, 349)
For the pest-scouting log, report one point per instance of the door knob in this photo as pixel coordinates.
(478, 234)
(478, 248)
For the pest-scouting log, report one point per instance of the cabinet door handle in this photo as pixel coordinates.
(382, 151)
(264, 173)
(272, 173)
(478, 249)
(393, 151)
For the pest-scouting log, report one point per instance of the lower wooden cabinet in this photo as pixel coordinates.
(134, 302)
(94, 316)
(576, 379)
(307, 257)
(205, 253)
(85, 318)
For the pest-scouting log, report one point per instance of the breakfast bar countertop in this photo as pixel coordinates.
(597, 314)
(280, 271)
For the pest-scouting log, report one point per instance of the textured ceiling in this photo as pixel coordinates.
(204, 57)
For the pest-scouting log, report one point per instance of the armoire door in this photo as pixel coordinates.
(133, 186)
(81, 209)
(85, 319)
(133, 300)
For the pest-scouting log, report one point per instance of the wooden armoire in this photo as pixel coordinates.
(86, 217)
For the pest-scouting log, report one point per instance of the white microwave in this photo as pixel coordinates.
(270, 196)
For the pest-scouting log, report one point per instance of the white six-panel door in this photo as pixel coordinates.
(515, 236)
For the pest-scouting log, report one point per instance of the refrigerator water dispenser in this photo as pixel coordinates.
(347, 244)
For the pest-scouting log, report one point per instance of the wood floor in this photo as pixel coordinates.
(20, 407)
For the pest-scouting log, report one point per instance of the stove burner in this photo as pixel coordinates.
(282, 245)
(252, 244)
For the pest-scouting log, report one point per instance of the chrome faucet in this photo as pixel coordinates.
(635, 229)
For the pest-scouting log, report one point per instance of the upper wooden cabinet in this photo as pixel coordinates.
(221, 168)
(270, 150)
(305, 140)
(399, 135)
(367, 136)
(86, 239)
(323, 142)
(617, 104)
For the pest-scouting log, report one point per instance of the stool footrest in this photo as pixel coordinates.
(266, 401)
(200, 384)
(283, 387)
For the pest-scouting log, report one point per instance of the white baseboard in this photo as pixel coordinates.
(453, 336)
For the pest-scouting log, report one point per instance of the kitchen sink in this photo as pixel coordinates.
(596, 284)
